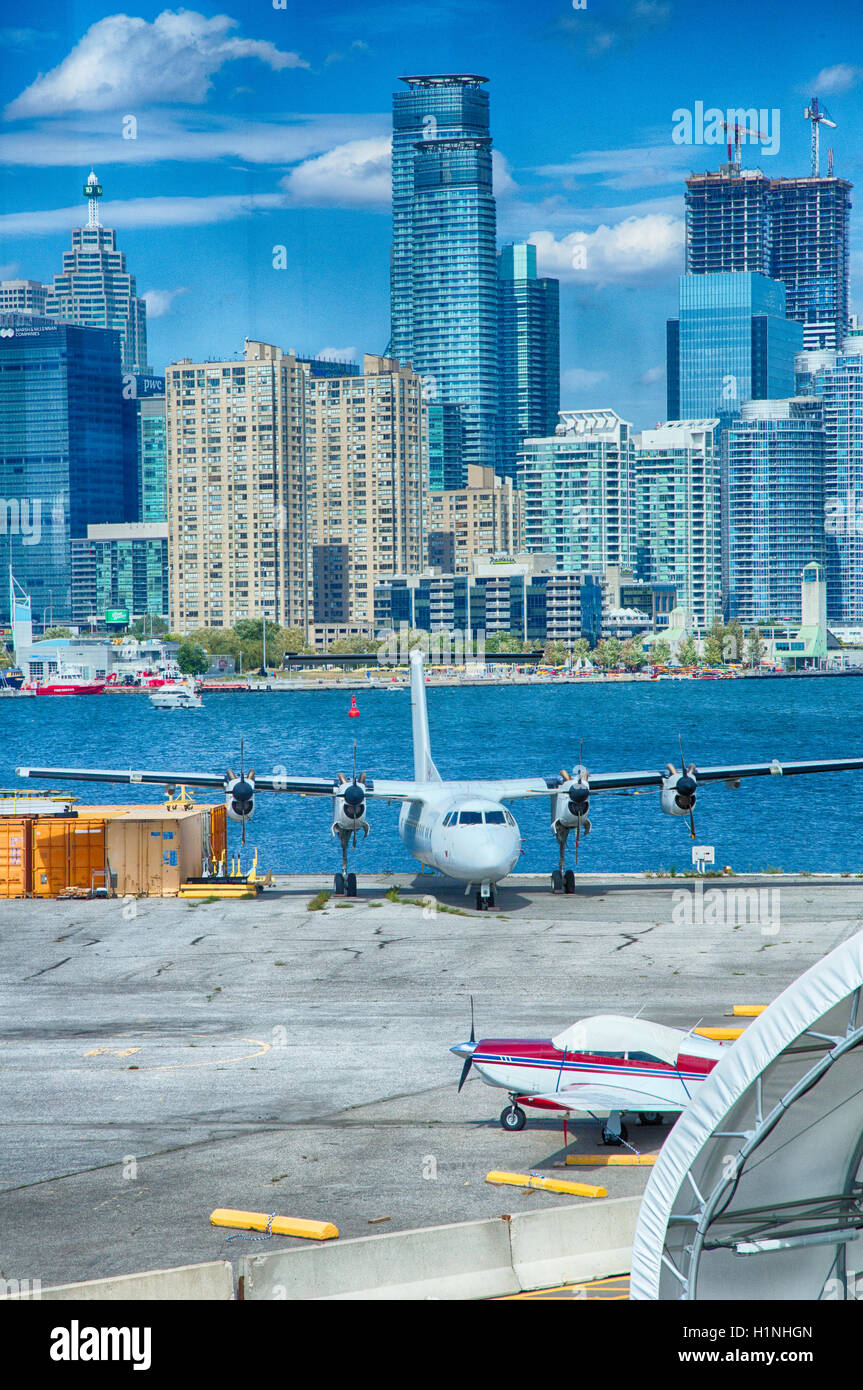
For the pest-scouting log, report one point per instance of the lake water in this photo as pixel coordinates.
(810, 823)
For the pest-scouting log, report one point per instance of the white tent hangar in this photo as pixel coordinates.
(758, 1191)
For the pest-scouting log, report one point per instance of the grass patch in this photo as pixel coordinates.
(395, 897)
(319, 900)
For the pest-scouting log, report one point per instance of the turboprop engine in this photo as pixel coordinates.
(240, 795)
(677, 797)
(572, 803)
(349, 806)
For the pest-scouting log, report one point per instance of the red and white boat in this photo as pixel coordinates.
(61, 686)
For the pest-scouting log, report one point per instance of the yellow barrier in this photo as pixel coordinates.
(280, 1225)
(574, 1189)
(720, 1034)
(748, 1010)
(611, 1160)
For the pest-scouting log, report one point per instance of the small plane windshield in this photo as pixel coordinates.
(495, 818)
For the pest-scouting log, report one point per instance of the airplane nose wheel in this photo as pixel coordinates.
(557, 881)
(513, 1117)
(613, 1139)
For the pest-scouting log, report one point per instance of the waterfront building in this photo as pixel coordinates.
(836, 379)
(445, 431)
(774, 506)
(68, 455)
(22, 297)
(578, 496)
(483, 519)
(728, 225)
(364, 492)
(528, 353)
(235, 449)
(120, 573)
(152, 450)
(731, 343)
(95, 288)
(443, 267)
(677, 514)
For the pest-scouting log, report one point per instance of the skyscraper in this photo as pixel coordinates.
(443, 270)
(791, 229)
(774, 505)
(67, 451)
(733, 343)
(677, 513)
(528, 353)
(95, 288)
(578, 498)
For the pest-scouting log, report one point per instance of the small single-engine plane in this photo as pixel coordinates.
(460, 828)
(607, 1063)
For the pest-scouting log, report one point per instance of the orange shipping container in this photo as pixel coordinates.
(68, 853)
(218, 833)
(15, 867)
(152, 853)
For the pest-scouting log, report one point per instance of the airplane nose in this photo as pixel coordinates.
(465, 1049)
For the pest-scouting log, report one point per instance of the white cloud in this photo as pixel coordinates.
(144, 212)
(10, 270)
(652, 375)
(353, 175)
(840, 78)
(579, 379)
(644, 166)
(122, 62)
(194, 135)
(502, 181)
(635, 249)
(159, 301)
(336, 354)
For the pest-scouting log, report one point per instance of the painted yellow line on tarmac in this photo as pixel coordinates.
(611, 1160)
(748, 1010)
(573, 1189)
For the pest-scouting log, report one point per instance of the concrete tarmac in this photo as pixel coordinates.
(160, 1058)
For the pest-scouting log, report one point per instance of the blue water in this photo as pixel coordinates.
(801, 823)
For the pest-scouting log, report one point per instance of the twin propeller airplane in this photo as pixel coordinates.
(460, 828)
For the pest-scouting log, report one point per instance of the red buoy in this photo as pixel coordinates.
(353, 712)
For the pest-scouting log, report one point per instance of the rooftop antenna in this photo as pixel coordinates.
(818, 116)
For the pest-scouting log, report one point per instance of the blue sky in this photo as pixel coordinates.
(266, 124)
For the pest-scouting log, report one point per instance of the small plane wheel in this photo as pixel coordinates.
(557, 881)
(351, 886)
(649, 1117)
(569, 881)
(480, 903)
(490, 898)
(614, 1141)
(339, 884)
(513, 1117)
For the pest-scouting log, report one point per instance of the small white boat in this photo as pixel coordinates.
(176, 695)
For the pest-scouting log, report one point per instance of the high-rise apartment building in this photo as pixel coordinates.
(578, 497)
(483, 519)
(836, 380)
(791, 229)
(67, 451)
(677, 513)
(528, 353)
(363, 493)
(235, 449)
(774, 506)
(22, 297)
(95, 288)
(731, 343)
(120, 569)
(152, 454)
(443, 269)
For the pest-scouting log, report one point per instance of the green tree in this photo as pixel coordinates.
(608, 653)
(151, 626)
(192, 659)
(581, 649)
(687, 652)
(714, 652)
(505, 642)
(556, 653)
(755, 647)
(53, 634)
(735, 642)
(632, 654)
(354, 646)
(660, 653)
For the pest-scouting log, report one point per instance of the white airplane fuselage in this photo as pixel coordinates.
(467, 837)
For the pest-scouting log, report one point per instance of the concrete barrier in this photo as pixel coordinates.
(470, 1259)
(566, 1245)
(214, 1281)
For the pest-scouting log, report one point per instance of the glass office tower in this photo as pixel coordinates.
(68, 453)
(774, 506)
(443, 270)
(528, 353)
(733, 344)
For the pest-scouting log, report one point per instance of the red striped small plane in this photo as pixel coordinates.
(608, 1063)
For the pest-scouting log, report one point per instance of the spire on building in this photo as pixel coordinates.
(93, 192)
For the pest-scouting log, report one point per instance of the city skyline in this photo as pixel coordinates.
(216, 177)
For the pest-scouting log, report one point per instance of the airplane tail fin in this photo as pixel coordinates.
(424, 768)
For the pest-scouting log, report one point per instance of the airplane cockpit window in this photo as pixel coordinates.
(642, 1057)
(470, 817)
(510, 820)
(495, 818)
(449, 818)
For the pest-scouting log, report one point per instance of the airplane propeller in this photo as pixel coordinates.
(461, 1050)
(242, 791)
(353, 796)
(686, 785)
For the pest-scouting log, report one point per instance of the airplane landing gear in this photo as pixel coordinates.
(513, 1117)
(345, 884)
(556, 881)
(614, 1131)
(485, 897)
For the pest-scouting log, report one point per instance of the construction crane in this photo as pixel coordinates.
(818, 116)
(739, 131)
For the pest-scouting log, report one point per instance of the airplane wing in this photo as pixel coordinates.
(732, 772)
(278, 782)
(585, 1099)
